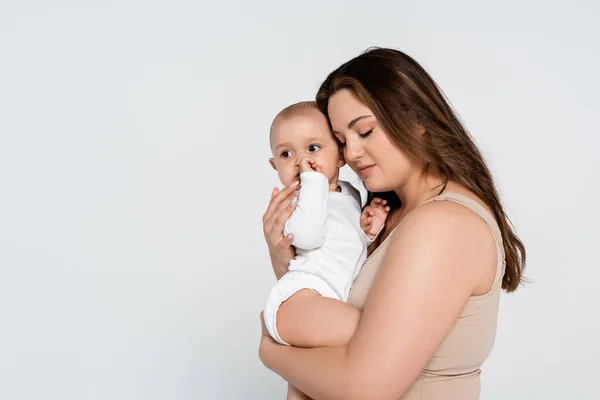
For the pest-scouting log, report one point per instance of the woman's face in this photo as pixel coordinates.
(368, 149)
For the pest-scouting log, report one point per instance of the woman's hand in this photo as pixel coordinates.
(280, 209)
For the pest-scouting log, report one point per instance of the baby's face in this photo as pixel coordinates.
(304, 135)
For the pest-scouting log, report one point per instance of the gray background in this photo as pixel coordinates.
(134, 174)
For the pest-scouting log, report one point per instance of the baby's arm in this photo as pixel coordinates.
(308, 223)
(307, 319)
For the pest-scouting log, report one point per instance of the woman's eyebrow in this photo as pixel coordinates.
(354, 121)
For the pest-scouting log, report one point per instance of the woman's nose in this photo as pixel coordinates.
(353, 150)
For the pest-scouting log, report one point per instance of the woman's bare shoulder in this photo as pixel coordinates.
(456, 233)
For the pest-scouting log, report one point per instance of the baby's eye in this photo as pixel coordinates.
(286, 154)
(314, 147)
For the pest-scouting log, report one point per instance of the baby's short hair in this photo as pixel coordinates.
(293, 110)
(297, 108)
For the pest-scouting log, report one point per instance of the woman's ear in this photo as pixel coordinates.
(272, 162)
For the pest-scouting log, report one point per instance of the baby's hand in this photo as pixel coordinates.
(373, 217)
(308, 164)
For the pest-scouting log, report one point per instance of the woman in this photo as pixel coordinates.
(430, 288)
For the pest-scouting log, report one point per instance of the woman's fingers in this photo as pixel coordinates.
(277, 198)
(274, 192)
(286, 241)
(273, 227)
(290, 200)
(283, 214)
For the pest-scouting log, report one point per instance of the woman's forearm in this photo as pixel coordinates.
(322, 373)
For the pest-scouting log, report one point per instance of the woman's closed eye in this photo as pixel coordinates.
(367, 133)
(314, 147)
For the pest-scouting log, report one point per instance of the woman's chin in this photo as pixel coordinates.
(372, 186)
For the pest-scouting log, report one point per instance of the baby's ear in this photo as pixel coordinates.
(272, 162)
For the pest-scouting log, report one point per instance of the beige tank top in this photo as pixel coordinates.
(453, 371)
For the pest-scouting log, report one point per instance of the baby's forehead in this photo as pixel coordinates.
(298, 126)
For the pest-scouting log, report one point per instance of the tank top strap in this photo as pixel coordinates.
(486, 216)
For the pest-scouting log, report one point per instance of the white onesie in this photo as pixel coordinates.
(330, 245)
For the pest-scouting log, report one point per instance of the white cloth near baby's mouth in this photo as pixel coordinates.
(330, 245)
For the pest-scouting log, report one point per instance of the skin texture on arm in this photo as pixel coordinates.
(431, 268)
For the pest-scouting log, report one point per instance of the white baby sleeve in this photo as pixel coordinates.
(308, 223)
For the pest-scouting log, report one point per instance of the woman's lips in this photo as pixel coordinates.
(366, 170)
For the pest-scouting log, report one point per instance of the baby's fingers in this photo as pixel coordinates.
(364, 218)
(375, 201)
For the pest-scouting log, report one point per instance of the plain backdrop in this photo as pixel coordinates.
(134, 175)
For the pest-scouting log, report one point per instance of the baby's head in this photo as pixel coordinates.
(301, 131)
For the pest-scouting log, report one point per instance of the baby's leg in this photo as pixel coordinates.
(307, 319)
(295, 394)
(296, 315)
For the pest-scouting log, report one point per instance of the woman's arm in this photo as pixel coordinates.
(430, 270)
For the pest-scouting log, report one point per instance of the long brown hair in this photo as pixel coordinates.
(403, 96)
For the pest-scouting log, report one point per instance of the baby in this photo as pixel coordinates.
(331, 234)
